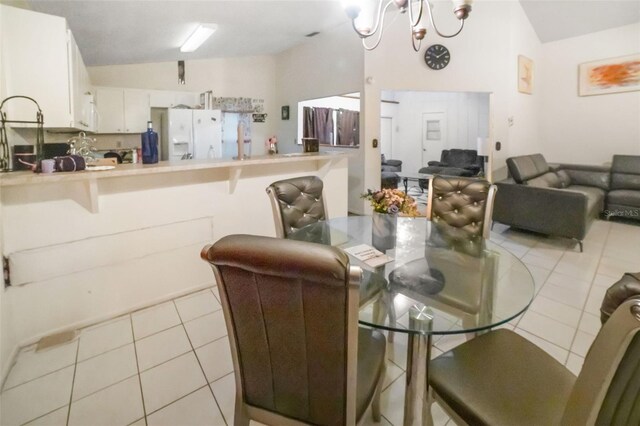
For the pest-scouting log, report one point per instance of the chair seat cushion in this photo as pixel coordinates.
(371, 357)
(595, 197)
(500, 378)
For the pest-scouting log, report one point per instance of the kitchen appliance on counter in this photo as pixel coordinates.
(195, 133)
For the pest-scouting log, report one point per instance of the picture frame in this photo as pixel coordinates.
(612, 75)
(525, 75)
(285, 112)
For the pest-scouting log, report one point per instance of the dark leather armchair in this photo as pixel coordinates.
(464, 203)
(627, 287)
(466, 159)
(296, 202)
(291, 310)
(390, 165)
(623, 198)
(500, 378)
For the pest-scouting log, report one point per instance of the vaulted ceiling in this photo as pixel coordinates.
(138, 31)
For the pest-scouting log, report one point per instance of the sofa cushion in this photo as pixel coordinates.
(592, 176)
(565, 179)
(595, 197)
(527, 167)
(625, 197)
(547, 180)
(625, 172)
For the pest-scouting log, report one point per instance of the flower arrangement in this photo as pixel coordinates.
(271, 145)
(392, 201)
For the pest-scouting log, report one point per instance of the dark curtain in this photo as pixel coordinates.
(323, 124)
(308, 127)
(348, 127)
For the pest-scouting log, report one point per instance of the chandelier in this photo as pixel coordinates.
(461, 9)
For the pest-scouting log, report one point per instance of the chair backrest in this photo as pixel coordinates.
(291, 310)
(296, 202)
(607, 390)
(464, 203)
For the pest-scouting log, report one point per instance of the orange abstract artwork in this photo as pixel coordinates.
(610, 76)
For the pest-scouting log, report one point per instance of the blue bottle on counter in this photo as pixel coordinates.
(149, 145)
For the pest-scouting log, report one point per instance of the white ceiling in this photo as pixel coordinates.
(139, 31)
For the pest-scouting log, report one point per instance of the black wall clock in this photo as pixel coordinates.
(437, 57)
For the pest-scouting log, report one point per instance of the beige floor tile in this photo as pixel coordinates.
(539, 275)
(559, 311)
(564, 295)
(392, 401)
(224, 390)
(197, 305)
(391, 374)
(582, 343)
(590, 323)
(196, 409)
(98, 340)
(36, 398)
(615, 267)
(532, 259)
(170, 381)
(215, 358)
(154, 319)
(119, 404)
(594, 301)
(578, 265)
(104, 370)
(31, 364)
(604, 281)
(574, 363)
(206, 329)
(56, 418)
(548, 329)
(140, 422)
(161, 347)
(568, 282)
(216, 292)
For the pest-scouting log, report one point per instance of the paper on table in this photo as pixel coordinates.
(369, 255)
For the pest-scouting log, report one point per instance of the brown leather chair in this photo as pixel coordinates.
(460, 202)
(296, 202)
(626, 287)
(291, 310)
(500, 378)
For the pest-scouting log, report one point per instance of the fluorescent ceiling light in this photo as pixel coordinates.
(199, 36)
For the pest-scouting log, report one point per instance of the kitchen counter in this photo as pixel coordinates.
(122, 170)
(87, 246)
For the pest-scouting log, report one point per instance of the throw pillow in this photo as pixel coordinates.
(565, 179)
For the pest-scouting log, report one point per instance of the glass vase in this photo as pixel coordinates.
(383, 231)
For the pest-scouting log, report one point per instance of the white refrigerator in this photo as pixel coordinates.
(193, 133)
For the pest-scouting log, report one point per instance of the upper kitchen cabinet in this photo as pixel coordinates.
(83, 111)
(169, 99)
(122, 110)
(35, 64)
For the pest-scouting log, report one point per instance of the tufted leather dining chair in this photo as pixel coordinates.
(296, 202)
(500, 378)
(464, 203)
(291, 310)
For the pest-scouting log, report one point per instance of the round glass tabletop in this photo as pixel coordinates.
(460, 284)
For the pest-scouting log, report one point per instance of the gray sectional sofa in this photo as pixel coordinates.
(563, 199)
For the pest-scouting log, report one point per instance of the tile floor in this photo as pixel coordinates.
(170, 364)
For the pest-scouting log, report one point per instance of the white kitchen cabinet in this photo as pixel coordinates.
(82, 108)
(170, 99)
(122, 110)
(35, 64)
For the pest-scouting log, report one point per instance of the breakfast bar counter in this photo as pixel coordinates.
(81, 247)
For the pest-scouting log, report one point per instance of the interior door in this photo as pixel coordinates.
(434, 136)
(386, 137)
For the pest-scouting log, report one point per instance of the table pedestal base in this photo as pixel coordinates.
(417, 410)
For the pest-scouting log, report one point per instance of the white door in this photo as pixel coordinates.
(206, 133)
(386, 137)
(434, 136)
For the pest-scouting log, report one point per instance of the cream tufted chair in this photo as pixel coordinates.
(296, 202)
(464, 203)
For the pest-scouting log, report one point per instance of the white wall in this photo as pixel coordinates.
(250, 77)
(329, 64)
(587, 129)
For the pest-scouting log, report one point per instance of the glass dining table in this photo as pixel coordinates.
(431, 280)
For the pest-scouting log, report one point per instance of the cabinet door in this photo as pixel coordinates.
(136, 110)
(35, 64)
(110, 105)
(186, 98)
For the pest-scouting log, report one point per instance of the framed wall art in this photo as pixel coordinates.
(612, 75)
(525, 75)
(285, 112)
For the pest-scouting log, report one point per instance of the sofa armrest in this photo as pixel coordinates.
(549, 211)
(436, 163)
